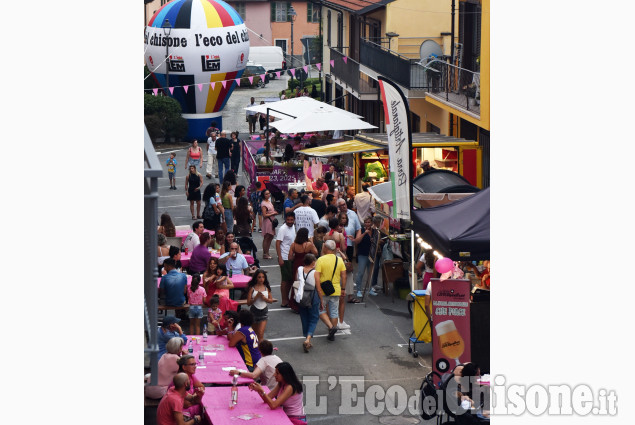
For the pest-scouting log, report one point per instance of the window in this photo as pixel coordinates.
(282, 44)
(312, 13)
(328, 26)
(280, 11)
(240, 8)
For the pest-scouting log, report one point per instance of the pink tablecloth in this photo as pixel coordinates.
(240, 281)
(216, 402)
(183, 233)
(185, 258)
(219, 355)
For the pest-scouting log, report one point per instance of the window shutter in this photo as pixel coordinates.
(309, 12)
(273, 11)
(328, 28)
(288, 10)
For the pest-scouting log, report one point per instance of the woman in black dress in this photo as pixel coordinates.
(193, 184)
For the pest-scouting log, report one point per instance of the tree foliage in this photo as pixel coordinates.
(162, 116)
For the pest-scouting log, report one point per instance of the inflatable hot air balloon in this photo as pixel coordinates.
(207, 44)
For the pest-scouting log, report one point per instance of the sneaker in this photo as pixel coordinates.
(372, 292)
(259, 230)
(331, 336)
(343, 325)
(359, 294)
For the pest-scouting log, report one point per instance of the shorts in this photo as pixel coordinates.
(170, 175)
(194, 162)
(195, 312)
(333, 304)
(286, 270)
(252, 119)
(259, 315)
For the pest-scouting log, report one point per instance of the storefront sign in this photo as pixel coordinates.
(396, 114)
(451, 324)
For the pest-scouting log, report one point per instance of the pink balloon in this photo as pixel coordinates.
(444, 265)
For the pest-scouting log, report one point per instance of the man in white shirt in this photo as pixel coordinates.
(211, 155)
(234, 260)
(192, 240)
(252, 117)
(363, 203)
(265, 368)
(305, 216)
(284, 239)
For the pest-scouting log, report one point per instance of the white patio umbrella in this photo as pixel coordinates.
(296, 107)
(321, 120)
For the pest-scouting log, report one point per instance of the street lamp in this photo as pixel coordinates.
(167, 29)
(293, 14)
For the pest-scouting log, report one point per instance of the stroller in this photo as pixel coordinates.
(277, 196)
(247, 245)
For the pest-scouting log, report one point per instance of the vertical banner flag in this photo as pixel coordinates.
(397, 117)
(450, 310)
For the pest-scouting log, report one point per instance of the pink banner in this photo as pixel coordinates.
(332, 63)
(213, 85)
(319, 66)
(185, 88)
(237, 81)
(278, 74)
(451, 324)
(200, 87)
(224, 83)
(171, 90)
(156, 91)
(251, 80)
(292, 71)
(345, 59)
(306, 69)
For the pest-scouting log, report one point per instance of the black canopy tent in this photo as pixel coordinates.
(443, 181)
(458, 230)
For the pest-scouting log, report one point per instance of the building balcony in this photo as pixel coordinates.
(347, 74)
(402, 70)
(453, 86)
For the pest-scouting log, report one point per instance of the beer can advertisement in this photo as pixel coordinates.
(450, 323)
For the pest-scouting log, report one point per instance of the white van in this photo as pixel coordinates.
(271, 57)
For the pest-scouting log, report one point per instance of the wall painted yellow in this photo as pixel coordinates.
(419, 18)
(430, 113)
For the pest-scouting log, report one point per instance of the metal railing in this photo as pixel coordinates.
(349, 73)
(151, 173)
(402, 70)
(457, 85)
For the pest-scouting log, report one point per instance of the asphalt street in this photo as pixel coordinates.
(366, 375)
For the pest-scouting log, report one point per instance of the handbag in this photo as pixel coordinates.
(274, 222)
(327, 285)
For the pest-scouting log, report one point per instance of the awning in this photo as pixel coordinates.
(382, 193)
(320, 119)
(296, 107)
(341, 148)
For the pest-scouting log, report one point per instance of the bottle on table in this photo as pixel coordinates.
(234, 399)
(205, 333)
(230, 273)
(190, 348)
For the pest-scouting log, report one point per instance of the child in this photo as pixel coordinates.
(255, 199)
(195, 295)
(171, 163)
(214, 314)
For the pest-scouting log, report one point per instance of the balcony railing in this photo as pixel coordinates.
(402, 70)
(455, 85)
(349, 73)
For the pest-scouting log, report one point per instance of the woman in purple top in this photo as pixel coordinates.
(200, 255)
(287, 393)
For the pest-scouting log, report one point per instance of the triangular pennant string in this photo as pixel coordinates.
(156, 91)
(278, 74)
(332, 63)
(306, 69)
(293, 71)
(251, 80)
(200, 87)
(319, 66)
(171, 90)
(237, 81)
(224, 83)
(185, 88)
(213, 84)
(345, 59)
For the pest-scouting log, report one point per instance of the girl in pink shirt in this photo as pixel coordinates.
(287, 393)
(195, 295)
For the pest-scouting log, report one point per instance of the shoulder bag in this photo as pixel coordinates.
(308, 293)
(327, 285)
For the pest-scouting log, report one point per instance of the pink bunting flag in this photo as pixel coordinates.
(278, 74)
(224, 83)
(200, 87)
(319, 66)
(156, 91)
(185, 88)
(237, 81)
(213, 84)
(306, 68)
(292, 71)
(332, 63)
(262, 77)
(251, 80)
(345, 59)
(171, 90)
